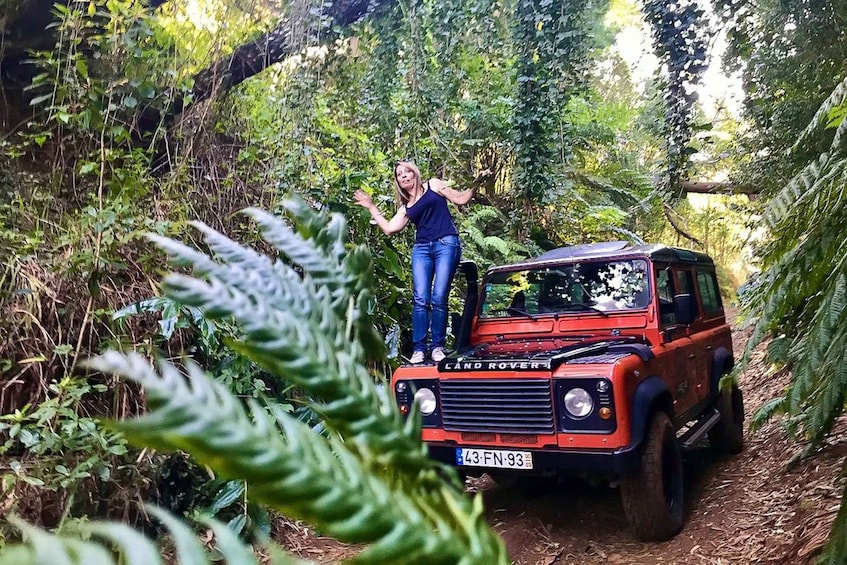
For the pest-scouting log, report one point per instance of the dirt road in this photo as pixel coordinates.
(745, 508)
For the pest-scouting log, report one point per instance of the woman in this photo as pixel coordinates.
(435, 254)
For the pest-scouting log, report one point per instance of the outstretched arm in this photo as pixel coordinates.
(458, 197)
(394, 225)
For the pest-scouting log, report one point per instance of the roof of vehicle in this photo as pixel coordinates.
(609, 250)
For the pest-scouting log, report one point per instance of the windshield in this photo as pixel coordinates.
(599, 286)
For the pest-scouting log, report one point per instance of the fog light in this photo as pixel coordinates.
(401, 386)
(605, 413)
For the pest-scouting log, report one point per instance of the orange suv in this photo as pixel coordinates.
(600, 360)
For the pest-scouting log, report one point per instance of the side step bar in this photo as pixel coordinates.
(695, 432)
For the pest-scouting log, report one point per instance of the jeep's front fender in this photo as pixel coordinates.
(722, 362)
(651, 394)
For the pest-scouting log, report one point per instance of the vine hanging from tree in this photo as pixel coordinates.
(680, 38)
(553, 40)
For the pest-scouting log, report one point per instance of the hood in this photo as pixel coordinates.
(543, 354)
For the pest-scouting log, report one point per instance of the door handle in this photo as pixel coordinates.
(691, 356)
(708, 347)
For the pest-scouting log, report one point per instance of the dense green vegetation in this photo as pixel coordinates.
(122, 118)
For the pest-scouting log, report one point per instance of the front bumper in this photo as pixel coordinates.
(612, 464)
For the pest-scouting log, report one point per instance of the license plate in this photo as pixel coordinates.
(493, 458)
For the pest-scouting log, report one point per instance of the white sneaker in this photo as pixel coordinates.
(438, 354)
(417, 357)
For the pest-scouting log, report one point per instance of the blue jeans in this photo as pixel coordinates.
(433, 267)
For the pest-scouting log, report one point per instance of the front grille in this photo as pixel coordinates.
(479, 437)
(523, 439)
(515, 406)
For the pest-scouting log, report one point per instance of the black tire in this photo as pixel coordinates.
(653, 500)
(728, 434)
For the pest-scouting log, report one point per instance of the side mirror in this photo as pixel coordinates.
(685, 308)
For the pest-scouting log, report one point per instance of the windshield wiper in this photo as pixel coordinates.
(521, 312)
(586, 306)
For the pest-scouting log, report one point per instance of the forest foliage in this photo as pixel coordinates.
(106, 144)
(115, 127)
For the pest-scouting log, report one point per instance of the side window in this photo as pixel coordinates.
(709, 294)
(686, 282)
(664, 293)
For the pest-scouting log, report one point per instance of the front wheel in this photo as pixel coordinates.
(728, 434)
(652, 500)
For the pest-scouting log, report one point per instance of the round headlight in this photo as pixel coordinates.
(426, 400)
(578, 403)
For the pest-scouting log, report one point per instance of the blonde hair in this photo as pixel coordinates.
(401, 197)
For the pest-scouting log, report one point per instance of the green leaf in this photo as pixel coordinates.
(82, 67)
(63, 349)
(146, 90)
(117, 450)
(39, 99)
(147, 305)
(236, 525)
(226, 495)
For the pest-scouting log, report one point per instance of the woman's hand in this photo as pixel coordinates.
(483, 174)
(395, 224)
(363, 199)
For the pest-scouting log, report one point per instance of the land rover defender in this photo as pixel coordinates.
(601, 360)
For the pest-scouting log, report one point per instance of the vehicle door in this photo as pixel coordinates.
(678, 348)
(701, 348)
(713, 331)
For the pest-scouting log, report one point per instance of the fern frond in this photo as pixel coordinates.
(300, 473)
(189, 550)
(483, 214)
(47, 548)
(803, 295)
(781, 204)
(836, 98)
(498, 244)
(836, 548)
(132, 547)
(320, 252)
(308, 330)
(767, 411)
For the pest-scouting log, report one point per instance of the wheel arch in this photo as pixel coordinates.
(651, 395)
(722, 363)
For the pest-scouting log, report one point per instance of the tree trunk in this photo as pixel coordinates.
(25, 28)
(255, 56)
(702, 187)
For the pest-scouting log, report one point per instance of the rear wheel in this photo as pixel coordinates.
(653, 499)
(728, 434)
